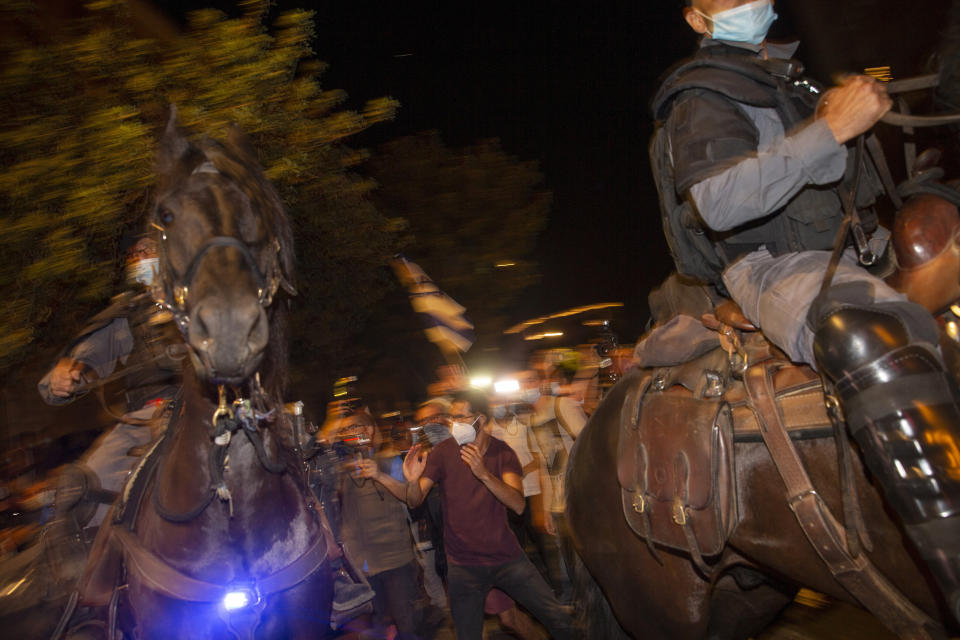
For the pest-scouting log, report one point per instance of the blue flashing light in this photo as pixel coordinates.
(237, 599)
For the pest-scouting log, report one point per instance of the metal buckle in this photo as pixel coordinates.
(679, 513)
(222, 408)
(639, 503)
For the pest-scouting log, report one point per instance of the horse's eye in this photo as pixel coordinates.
(165, 216)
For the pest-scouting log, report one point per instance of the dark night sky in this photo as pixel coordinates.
(565, 87)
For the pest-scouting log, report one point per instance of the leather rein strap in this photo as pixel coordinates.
(856, 573)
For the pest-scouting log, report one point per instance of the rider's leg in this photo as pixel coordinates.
(108, 456)
(71, 499)
(903, 432)
(898, 403)
(775, 293)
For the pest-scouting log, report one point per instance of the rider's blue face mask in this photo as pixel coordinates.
(746, 23)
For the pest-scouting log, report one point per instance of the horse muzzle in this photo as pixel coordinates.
(228, 340)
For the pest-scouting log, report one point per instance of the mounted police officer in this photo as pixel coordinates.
(134, 339)
(751, 188)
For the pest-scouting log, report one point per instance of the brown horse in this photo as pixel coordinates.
(660, 591)
(225, 541)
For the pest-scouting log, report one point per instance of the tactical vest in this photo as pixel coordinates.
(154, 366)
(808, 222)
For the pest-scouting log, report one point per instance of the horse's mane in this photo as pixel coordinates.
(236, 159)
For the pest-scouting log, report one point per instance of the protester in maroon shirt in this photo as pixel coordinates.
(479, 479)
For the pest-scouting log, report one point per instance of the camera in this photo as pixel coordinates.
(351, 445)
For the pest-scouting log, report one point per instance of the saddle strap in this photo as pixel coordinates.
(629, 420)
(857, 574)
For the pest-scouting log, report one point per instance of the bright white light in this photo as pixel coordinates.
(481, 382)
(507, 385)
(234, 600)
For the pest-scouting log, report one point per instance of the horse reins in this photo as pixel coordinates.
(851, 222)
(172, 292)
(226, 421)
(174, 352)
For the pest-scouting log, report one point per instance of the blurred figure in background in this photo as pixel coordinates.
(511, 424)
(430, 422)
(555, 422)
(451, 379)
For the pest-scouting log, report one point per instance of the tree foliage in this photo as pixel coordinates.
(80, 113)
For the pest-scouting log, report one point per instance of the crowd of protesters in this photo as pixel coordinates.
(452, 515)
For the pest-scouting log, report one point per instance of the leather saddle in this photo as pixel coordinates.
(678, 429)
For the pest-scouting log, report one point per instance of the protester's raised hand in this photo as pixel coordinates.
(337, 411)
(415, 463)
(854, 107)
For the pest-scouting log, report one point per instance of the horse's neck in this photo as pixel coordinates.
(189, 474)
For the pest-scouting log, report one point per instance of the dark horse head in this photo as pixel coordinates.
(225, 249)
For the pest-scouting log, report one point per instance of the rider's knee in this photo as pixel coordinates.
(848, 336)
(74, 482)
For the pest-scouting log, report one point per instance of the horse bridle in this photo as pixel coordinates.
(171, 292)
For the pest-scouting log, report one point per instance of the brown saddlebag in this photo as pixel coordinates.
(676, 470)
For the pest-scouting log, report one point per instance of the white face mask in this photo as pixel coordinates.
(143, 271)
(531, 395)
(463, 432)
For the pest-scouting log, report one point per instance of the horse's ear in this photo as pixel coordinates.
(240, 143)
(174, 146)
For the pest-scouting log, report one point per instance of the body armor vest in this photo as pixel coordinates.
(155, 364)
(812, 217)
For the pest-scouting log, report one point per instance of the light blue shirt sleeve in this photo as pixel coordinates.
(102, 350)
(762, 183)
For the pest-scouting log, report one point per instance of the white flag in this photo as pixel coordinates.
(443, 316)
